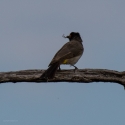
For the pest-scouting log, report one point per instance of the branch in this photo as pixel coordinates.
(80, 76)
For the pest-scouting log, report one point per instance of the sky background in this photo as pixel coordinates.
(31, 33)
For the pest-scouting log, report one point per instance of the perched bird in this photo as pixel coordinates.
(70, 53)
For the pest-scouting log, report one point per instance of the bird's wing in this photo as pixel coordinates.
(69, 50)
(62, 54)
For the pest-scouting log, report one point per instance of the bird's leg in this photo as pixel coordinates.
(59, 68)
(75, 68)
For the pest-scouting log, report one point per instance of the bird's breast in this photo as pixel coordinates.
(72, 61)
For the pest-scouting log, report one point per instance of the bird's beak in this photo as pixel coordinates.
(66, 36)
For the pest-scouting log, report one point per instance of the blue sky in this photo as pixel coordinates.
(31, 33)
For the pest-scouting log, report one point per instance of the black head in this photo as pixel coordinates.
(74, 35)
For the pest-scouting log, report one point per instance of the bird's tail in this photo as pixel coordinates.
(50, 72)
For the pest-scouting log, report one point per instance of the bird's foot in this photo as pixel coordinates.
(59, 69)
(75, 68)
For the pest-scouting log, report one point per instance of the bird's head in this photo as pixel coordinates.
(73, 35)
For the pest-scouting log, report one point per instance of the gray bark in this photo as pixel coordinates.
(80, 76)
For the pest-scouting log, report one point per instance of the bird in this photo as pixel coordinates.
(69, 54)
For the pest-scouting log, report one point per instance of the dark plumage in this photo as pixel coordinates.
(70, 53)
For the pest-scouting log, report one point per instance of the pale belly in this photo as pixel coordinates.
(72, 61)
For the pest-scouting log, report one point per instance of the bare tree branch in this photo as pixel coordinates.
(80, 76)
